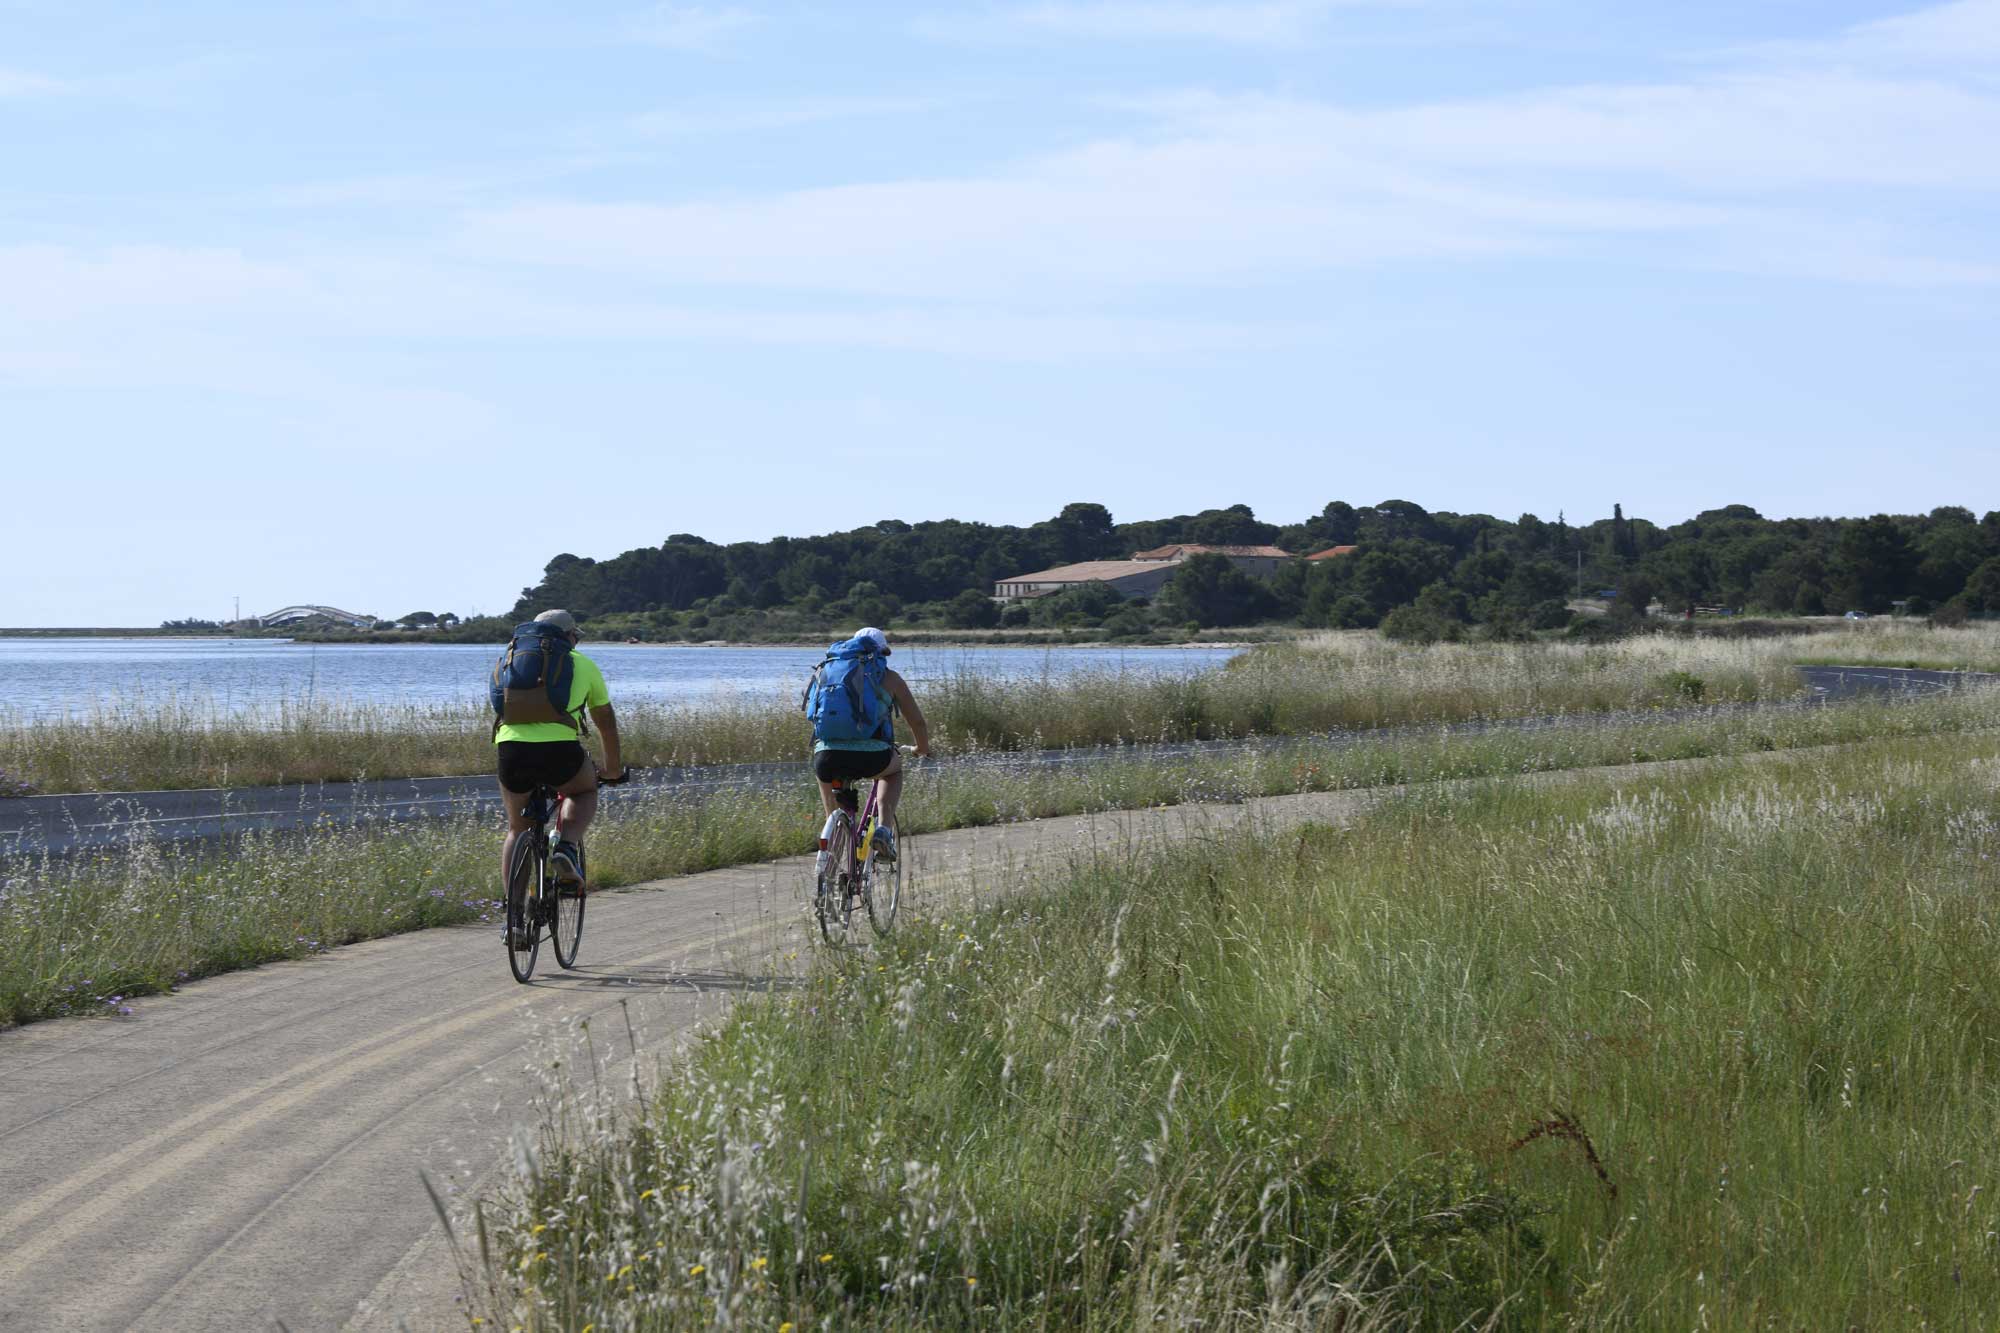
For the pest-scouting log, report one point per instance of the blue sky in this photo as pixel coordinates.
(381, 305)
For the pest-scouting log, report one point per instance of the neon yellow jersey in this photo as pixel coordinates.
(586, 690)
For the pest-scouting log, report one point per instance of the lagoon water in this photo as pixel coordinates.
(48, 678)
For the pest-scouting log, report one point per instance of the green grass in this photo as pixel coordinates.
(77, 932)
(1342, 682)
(1716, 1048)
(1327, 682)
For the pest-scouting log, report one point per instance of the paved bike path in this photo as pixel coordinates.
(251, 1151)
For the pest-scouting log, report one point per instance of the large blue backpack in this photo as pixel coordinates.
(844, 697)
(532, 679)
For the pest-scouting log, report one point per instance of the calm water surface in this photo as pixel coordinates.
(45, 678)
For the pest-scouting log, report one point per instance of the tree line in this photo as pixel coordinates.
(1439, 570)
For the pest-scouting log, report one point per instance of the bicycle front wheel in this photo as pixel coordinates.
(524, 901)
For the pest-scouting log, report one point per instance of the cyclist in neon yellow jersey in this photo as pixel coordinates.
(876, 756)
(551, 754)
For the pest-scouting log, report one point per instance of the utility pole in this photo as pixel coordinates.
(1579, 572)
(239, 610)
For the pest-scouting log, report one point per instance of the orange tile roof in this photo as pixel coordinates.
(1086, 572)
(1331, 552)
(1181, 550)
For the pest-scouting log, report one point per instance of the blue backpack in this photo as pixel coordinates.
(844, 697)
(532, 679)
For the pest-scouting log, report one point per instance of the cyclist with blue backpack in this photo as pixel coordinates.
(541, 689)
(852, 700)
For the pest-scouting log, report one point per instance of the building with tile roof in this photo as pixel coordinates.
(1129, 578)
(1141, 576)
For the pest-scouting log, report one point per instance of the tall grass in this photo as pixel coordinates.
(1713, 1049)
(1335, 682)
(1325, 682)
(82, 933)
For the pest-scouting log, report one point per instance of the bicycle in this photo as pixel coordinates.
(536, 903)
(849, 876)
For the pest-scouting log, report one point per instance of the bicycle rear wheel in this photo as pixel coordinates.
(885, 890)
(524, 901)
(830, 906)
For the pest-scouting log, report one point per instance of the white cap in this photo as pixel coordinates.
(562, 620)
(876, 637)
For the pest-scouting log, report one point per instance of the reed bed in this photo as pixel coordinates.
(1327, 683)
(85, 933)
(1709, 1049)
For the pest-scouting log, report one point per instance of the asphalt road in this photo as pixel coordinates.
(64, 824)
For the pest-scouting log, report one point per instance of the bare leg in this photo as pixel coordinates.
(891, 781)
(578, 803)
(517, 824)
(575, 814)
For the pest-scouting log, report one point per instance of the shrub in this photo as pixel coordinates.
(1552, 614)
(1951, 615)
(1352, 612)
(1685, 684)
(1406, 624)
(972, 609)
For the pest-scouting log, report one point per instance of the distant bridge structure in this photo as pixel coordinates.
(288, 615)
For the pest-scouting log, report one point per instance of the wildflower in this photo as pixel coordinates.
(971, 1282)
(697, 1270)
(646, 1194)
(759, 1262)
(826, 1258)
(785, 1327)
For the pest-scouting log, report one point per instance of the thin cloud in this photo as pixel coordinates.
(1731, 168)
(21, 83)
(706, 121)
(1956, 34)
(701, 29)
(223, 319)
(1266, 23)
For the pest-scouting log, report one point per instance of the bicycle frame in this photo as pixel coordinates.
(861, 822)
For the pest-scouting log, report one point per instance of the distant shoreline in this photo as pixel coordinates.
(911, 638)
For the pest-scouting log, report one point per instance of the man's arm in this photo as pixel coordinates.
(607, 727)
(907, 703)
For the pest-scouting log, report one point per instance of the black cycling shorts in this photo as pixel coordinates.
(848, 765)
(526, 765)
